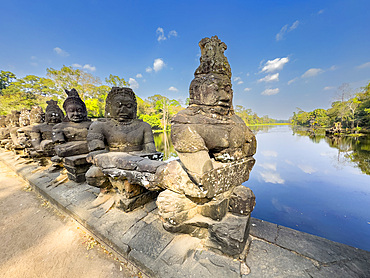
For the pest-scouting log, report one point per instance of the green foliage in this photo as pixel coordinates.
(350, 111)
(115, 81)
(6, 77)
(251, 118)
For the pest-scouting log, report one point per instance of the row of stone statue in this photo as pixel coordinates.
(200, 193)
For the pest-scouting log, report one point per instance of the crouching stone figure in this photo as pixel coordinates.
(123, 152)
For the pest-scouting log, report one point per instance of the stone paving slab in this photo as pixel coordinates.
(138, 236)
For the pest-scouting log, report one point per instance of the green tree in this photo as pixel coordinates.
(6, 77)
(115, 81)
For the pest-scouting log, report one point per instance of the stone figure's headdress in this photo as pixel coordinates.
(37, 115)
(213, 73)
(24, 117)
(73, 97)
(118, 91)
(213, 59)
(53, 107)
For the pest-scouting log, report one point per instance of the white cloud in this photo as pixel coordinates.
(334, 67)
(272, 177)
(240, 82)
(286, 29)
(328, 88)
(320, 12)
(34, 64)
(279, 36)
(247, 74)
(236, 78)
(89, 67)
(160, 34)
(139, 75)
(270, 92)
(294, 25)
(269, 153)
(158, 64)
(268, 166)
(365, 65)
(172, 33)
(275, 65)
(86, 67)
(162, 37)
(307, 169)
(292, 80)
(61, 52)
(270, 78)
(148, 69)
(173, 89)
(133, 83)
(312, 72)
(33, 57)
(247, 89)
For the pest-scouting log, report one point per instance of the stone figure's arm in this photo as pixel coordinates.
(149, 145)
(192, 150)
(58, 134)
(95, 137)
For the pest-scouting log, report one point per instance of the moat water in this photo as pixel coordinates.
(309, 182)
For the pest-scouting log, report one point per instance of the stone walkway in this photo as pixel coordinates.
(138, 236)
(37, 241)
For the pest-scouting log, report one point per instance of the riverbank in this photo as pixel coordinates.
(138, 237)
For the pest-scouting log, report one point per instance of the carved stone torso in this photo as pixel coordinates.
(70, 131)
(122, 137)
(193, 130)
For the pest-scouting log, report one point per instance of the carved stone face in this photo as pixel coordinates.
(76, 113)
(123, 108)
(53, 117)
(211, 90)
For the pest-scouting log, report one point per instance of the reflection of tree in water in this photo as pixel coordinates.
(163, 144)
(350, 149)
(315, 135)
(261, 128)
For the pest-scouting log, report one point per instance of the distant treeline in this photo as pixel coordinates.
(351, 110)
(17, 93)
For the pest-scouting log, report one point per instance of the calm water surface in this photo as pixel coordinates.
(310, 183)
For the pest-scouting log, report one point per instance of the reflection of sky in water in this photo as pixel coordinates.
(309, 187)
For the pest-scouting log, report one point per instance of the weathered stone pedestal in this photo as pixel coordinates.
(76, 167)
(130, 178)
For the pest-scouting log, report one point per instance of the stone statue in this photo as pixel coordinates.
(70, 137)
(28, 119)
(12, 123)
(204, 195)
(18, 140)
(122, 132)
(41, 134)
(71, 133)
(122, 147)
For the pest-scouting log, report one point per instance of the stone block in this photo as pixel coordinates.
(147, 165)
(151, 240)
(230, 235)
(216, 208)
(172, 176)
(227, 177)
(216, 265)
(75, 160)
(268, 260)
(175, 208)
(127, 204)
(242, 200)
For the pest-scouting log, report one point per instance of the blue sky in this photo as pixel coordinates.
(283, 54)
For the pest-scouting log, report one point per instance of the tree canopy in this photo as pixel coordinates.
(351, 110)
